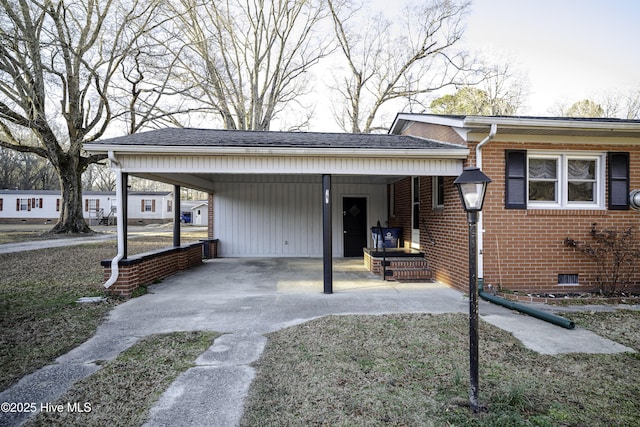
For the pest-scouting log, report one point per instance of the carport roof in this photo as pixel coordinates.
(191, 137)
(195, 158)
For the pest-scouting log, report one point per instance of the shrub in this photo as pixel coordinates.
(616, 253)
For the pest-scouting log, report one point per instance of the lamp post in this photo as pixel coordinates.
(472, 185)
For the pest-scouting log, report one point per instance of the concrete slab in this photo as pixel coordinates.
(546, 338)
(205, 395)
(223, 372)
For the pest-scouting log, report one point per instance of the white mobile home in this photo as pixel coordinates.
(38, 206)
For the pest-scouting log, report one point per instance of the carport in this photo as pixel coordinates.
(279, 194)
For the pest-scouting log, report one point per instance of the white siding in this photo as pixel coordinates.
(290, 164)
(282, 215)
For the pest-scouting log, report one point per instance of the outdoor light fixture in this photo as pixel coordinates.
(472, 186)
(634, 199)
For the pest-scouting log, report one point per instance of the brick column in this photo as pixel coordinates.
(210, 215)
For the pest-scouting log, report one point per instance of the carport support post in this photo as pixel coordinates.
(176, 216)
(326, 234)
(472, 219)
(123, 204)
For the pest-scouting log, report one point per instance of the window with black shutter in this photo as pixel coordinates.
(618, 181)
(516, 179)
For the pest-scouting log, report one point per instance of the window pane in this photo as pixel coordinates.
(581, 191)
(582, 169)
(542, 169)
(441, 190)
(543, 191)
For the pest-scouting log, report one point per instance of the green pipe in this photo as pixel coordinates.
(539, 314)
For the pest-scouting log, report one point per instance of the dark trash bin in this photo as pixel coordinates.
(390, 236)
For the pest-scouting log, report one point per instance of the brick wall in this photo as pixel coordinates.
(144, 269)
(443, 231)
(402, 209)
(444, 236)
(524, 249)
(436, 132)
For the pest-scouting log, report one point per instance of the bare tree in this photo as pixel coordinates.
(623, 105)
(250, 58)
(506, 89)
(392, 60)
(58, 61)
(99, 177)
(501, 93)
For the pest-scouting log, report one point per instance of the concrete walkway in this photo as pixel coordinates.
(245, 299)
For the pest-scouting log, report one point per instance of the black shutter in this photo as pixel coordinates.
(515, 179)
(618, 181)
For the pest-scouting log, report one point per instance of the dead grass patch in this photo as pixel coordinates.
(412, 370)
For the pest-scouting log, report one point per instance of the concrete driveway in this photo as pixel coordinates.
(245, 299)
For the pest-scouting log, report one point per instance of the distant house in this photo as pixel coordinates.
(282, 194)
(199, 213)
(100, 207)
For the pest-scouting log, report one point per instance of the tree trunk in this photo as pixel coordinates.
(71, 214)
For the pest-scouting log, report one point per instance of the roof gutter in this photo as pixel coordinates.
(115, 165)
(454, 152)
(485, 141)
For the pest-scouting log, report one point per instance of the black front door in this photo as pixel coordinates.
(354, 219)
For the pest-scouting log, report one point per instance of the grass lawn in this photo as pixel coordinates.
(39, 317)
(402, 370)
(412, 370)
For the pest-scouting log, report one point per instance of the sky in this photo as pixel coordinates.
(568, 49)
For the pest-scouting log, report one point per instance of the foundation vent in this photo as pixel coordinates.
(568, 279)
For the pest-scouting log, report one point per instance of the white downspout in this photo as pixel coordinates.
(492, 133)
(120, 220)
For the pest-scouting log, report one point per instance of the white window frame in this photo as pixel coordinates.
(562, 186)
(148, 205)
(24, 204)
(415, 204)
(434, 192)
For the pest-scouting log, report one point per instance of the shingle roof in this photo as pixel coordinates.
(541, 118)
(185, 137)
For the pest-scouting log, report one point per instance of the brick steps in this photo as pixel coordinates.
(403, 269)
(411, 274)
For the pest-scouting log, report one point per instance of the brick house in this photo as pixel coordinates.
(553, 178)
(283, 194)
